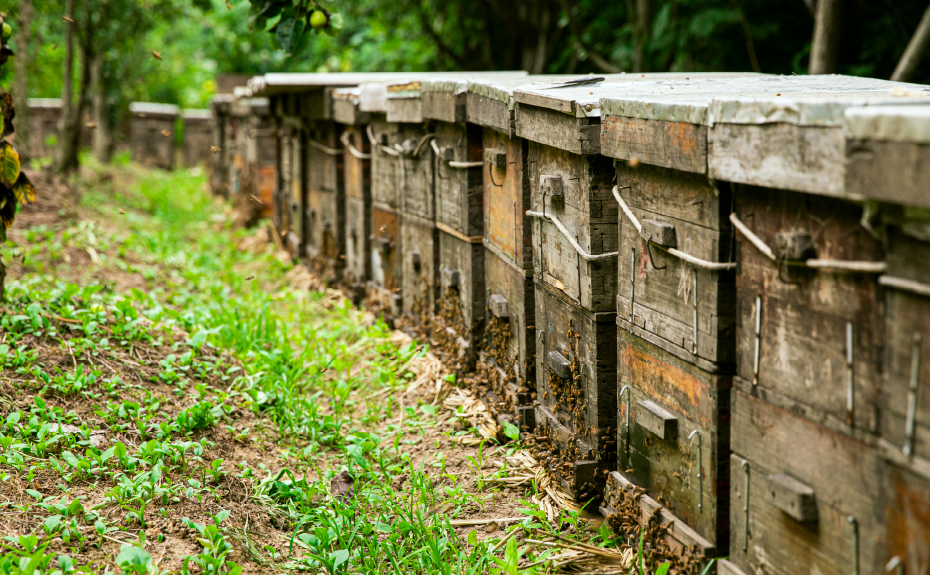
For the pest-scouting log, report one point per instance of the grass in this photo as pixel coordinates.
(169, 403)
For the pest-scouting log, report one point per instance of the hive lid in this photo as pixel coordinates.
(583, 101)
(501, 89)
(761, 99)
(889, 123)
(153, 109)
(282, 83)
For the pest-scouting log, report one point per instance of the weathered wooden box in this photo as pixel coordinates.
(813, 495)
(325, 215)
(44, 116)
(809, 338)
(575, 233)
(223, 140)
(673, 434)
(254, 166)
(153, 133)
(357, 163)
(576, 409)
(198, 137)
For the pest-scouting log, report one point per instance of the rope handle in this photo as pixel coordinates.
(581, 251)
(838, 265)
(375, 143)
(344, 138)
(697, 262)
(325, 149)
(452, 163)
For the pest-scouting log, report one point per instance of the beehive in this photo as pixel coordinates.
(198, 137)
(153, 129)
(809, 329)
(44, 115)
(507, 362)
(222, 141)
(253, 167)
(357, 162)
(885, 150)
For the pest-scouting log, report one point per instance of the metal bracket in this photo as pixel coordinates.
(755, 363)
(745, 466)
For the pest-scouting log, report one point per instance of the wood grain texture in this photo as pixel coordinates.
(444, 106)
(667, 468)
(420, 279)
(676, 145)
(785, 156)
(459, 191)
(888, 171)
(679, 536)
(805, 312)
(663, 300)
(489, 113)
(843, 472)
(906, 315)
(906, 502)
(385, 168)
(503, 279)
(405, 110)
(326, 195)
(468, 259)
(596, 358)
(386, 249)
(589, 211)
(506, 199)
(562, 131)
(149, 146)
(358, 214)
(346, 112)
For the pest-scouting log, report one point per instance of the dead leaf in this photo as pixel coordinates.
(341, 485)
(215, 149)
(156, 54)
(166, 133)
(66, 19)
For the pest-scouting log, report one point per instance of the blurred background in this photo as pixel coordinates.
(173, 51)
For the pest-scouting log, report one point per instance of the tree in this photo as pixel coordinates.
(15, 187)
(21, 64)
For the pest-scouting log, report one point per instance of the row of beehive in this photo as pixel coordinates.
(148, 123)
(677, 280)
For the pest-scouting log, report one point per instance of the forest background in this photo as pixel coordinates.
(172, 50)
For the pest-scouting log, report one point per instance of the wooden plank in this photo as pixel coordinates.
(888, 171)
(444, 106)
(346, 112)
(385, 168)
(683, 540)
(842, 471)
(589, 212)
(677, 145)
(576, 135)
(906, 514)
(506, 199)
(779, 155)
(654, 419)
(518, 350)
(905, 250)
(326, 236)
(405, 110)
(386, 249)
(806, 313)
(420, 278)
(459, 191)
(489, 113)
(792, 496)
(585, 406)
(667, 468)
(358, 214)
(727, 567)
(466, 260)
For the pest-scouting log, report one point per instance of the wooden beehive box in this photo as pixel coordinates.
(198, 137)
(256, 153)
(357, 162)
(885, 160)
(507, 359)
(809, 329)
(149, 124)
(222, 141)
(44, 116)
(813, 500)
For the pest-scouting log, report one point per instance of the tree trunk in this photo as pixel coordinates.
(21, 64)
(66, 156)
(914, 52)
(641, 33)
(99, 110)
(825, 45)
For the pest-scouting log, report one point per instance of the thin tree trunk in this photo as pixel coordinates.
(641, 32)
(825, 45)
(21, 64)
(914, 52)
(64, 153)
(99, 110)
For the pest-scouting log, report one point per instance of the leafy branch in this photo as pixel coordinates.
(291, 22)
